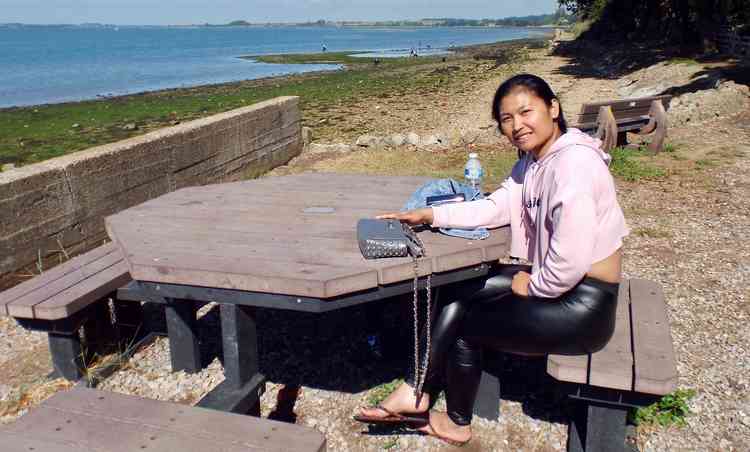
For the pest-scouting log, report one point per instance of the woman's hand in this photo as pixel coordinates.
(520, 284)
(412, 217)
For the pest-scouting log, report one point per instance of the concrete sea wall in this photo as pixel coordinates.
(56, 208)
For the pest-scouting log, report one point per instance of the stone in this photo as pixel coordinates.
(412, 138)
(369, 141)
(429, 140)
(306, 136)
(7, 167)
(75, 126)
(396, 139)
(130, 126)
(319, 148)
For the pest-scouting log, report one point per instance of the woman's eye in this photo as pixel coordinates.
(505, 119)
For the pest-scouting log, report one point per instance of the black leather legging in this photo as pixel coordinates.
(483, 312)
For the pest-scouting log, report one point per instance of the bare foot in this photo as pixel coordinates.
(401, 401)
(441, 426)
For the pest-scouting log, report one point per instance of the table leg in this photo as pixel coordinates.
(243, 385)
(183, 338)
(596, 427)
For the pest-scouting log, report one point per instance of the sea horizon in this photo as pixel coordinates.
(56, 64)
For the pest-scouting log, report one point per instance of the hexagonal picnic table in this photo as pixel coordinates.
(283, 242)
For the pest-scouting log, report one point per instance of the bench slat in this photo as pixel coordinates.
(612, 367)
(621, 104)
(575, 369)
(81, 295)
(67, 288)
(618, 114)
(52, 275)
(112, 422)
(13, 442)
(655, 366)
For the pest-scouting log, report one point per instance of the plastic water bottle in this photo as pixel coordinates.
(473, 172)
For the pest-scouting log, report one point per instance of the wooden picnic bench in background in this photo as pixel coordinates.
(634, 369)
(611, 120)
(89, 420)
(73, 296)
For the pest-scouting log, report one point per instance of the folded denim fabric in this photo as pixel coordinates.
(447, 187)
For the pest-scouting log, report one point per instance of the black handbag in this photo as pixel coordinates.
(387, 238)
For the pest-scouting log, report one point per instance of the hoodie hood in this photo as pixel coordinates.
(574, 137)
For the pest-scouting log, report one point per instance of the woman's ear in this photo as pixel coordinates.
(554, 109)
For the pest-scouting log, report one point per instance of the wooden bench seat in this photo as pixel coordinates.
(634, 369)
(63, 299)
(89, 420)
(611, 120)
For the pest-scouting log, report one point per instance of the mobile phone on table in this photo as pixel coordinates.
(444, 199)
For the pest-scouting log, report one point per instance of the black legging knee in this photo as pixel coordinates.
(485, 313)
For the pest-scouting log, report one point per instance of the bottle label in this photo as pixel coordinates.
(473, 173)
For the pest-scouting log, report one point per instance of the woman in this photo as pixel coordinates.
(561, 205)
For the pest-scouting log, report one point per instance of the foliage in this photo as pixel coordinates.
(687, 22)
(629, 165)
(669, 410)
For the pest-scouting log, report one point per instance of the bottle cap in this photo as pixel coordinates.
(473, 155)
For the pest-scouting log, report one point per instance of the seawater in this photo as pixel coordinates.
(50, 64)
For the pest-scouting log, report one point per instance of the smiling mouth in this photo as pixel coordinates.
(522, 137)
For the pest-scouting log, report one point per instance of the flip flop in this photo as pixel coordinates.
(430, 431)
(410, 419)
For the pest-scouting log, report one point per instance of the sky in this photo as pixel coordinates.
(182, 12)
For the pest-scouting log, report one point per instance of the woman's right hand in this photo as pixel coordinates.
(412, 217)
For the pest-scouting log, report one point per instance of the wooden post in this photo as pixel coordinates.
(183, 336)
(606, 128)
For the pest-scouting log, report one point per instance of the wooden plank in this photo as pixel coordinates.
(568, 368)
(612, 367)
(52, 275)
(620, 104)
(81, 295)
(313, 280)
(24, 306)
(14, 442)
(103, 421)
(655, 365)
(151, 239)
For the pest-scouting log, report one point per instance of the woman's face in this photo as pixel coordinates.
(528, 122)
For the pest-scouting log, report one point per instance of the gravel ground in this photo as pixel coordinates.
(688, 233)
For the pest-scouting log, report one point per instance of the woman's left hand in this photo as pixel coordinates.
(520, 284)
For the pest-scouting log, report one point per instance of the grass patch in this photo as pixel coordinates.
(379, 393)
(682, 60)
(630, 165)
(705, 163)
(672, 409)
(436, 164)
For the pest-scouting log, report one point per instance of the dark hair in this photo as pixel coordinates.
(531, 83)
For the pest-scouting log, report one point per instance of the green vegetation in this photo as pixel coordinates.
(672, 409)
(688, 23)
(630, 165)
(379, 393)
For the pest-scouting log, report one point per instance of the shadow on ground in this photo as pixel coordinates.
(612, 61)
(335, 351)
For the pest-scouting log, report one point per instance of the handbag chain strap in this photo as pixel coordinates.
(420, 372)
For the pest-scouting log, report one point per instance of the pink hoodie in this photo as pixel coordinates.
(562, 210)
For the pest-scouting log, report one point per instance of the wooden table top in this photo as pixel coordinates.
(290, 235)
